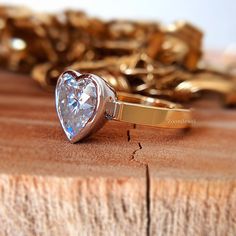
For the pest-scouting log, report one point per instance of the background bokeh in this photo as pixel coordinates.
(216, 17)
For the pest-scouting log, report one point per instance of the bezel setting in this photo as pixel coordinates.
(104, 93)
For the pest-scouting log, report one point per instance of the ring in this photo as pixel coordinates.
(84, 102)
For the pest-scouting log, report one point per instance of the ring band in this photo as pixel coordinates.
(149, 111)
(84, 102)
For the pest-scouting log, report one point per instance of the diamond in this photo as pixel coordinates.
(76, 102)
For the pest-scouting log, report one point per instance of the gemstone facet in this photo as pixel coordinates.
(76, 101)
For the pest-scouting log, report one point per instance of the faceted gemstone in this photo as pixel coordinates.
(76, 103)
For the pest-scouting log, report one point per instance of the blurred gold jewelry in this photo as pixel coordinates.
(147, 58)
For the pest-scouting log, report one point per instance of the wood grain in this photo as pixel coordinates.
(124, 180)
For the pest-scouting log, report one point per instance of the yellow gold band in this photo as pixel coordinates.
(148, 111)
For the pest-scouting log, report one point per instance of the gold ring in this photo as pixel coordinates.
(84, 102)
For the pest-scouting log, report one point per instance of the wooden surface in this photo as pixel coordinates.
(124, 180)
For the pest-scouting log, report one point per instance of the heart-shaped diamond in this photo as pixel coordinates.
(76, 102)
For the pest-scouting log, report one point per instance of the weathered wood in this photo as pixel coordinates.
(123, 180)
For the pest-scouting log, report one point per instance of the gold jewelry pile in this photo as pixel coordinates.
(137, 57)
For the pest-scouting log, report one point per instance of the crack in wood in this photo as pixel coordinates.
(134, 152)
(148, 198)
(128, 135)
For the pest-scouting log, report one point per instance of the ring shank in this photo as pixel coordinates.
(170, 116)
